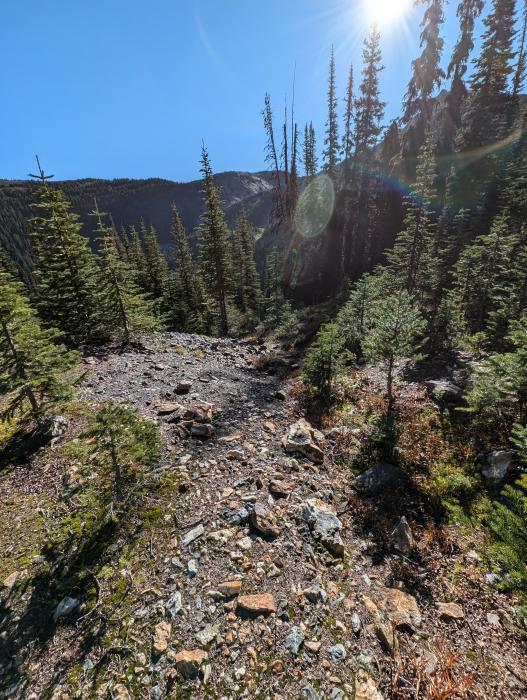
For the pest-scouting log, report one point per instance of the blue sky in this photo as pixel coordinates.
(129, 88)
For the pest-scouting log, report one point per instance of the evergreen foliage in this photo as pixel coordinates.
(426, 70)
(411, 258)
(66, 274)
(396, 331)
(121, 446)
(214, 257)
(310, 159)
(34, 365)
(126, 309)
(325, 359)
(331, 142)
(347, 138)
(183, 297)
(493, 68)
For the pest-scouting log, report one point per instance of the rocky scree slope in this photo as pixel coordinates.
(253, 572)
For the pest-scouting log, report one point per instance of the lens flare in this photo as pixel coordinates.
(315, 207)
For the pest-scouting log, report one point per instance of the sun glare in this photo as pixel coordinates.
(387, 11)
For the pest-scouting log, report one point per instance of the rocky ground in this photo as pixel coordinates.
(254, 572)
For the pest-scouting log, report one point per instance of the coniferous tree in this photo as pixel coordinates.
(369, 112)
(271, 157)
(137, 259)
(493, 68)
(309, 152)
(411, 258)
(156, 265)
(325, 359)
(34, 365)
(395, 332)
(183, 288)
(66, 274)
(347, 139)
(331, 142)
(426, 70)
(467, 12)
(250, 284)
(480, 273)
(126, 309)
(213, 247)
(521, 65)
(121, 446)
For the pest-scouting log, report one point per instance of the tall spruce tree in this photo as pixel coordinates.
(369, 109)
(521, 66)
(34, 365)
(331, 141)
(468, 12)
(126, 309)
(426, 70)
(347, 138)
(249, 281)
(309, 151)
(369, 113)
(213, 247)
(183, 285)
(493, 66)
(411, 257)
(66, 273)
(156, 265)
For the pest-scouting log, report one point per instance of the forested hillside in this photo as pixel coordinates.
(129, 201)
(266, 436)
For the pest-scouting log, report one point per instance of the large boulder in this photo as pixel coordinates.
(301, 438)
(445, 392)
(379, 477)
(324, 525)
(497, 466)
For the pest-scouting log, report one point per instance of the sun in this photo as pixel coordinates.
(387, 11)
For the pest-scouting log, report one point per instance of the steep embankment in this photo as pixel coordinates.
(252, 567)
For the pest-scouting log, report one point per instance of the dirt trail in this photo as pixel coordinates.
(172, 604)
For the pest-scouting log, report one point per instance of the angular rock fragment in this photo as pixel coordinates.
(202, 431)
(402, 538)
(192, 535)
(365, 688)
(380, 476)
(65, 607)
(400, 607)
(263, 521)
(280, 488)
(301, 438)
(230, 589)
(183, 386)
(498, 466)
(162, 632)
(253, 605)
(188, 663)
(294, 640)
(451, 611)
(324, 524)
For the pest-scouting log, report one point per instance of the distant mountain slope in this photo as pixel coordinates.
(130, 200)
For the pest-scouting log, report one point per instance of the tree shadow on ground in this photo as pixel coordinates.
(66, 572)
(23, 444)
